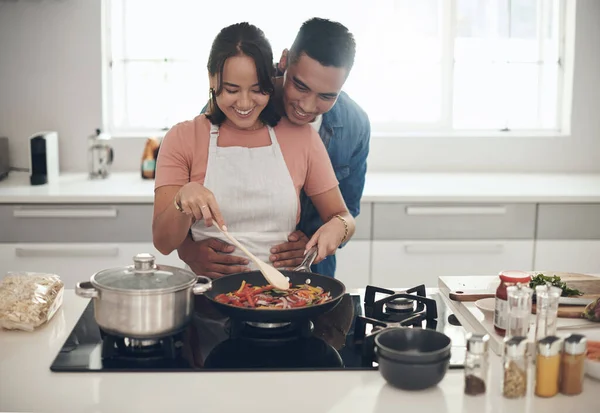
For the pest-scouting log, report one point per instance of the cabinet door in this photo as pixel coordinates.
(353, 264)
(75, 262)
(568, 256)
(404, 264)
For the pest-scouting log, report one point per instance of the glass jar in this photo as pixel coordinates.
(476, 364)
(518, 310)
(546, 309)
(515, 367)
(572, 364)
(547, 374)
(507, 279)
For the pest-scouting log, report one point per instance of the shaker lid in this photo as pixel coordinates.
(515, 346)
(548, 290)
(144, 275)
(549, 346)
(519, 290)
(477, 343)
(575, 344)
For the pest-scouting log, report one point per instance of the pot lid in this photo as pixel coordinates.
(144, 275)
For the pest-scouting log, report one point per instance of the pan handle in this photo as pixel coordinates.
(309, 258)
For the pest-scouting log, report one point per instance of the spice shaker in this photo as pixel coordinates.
(515, 367)
(546, 303)
(519, 310)
(507, 279)
(547, 366)
(476, 364)
(572, 364)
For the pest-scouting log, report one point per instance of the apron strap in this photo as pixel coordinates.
(214, 135)
(274, 141)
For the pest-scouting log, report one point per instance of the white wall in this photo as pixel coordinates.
(50, 78)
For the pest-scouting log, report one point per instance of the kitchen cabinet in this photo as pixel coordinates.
(354, 264)
(406, 263)
(75, 262)
(568, 238)
(417, 243)
(581, 256)
(76, 223)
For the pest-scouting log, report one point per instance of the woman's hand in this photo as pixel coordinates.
(198, 201)
(327, 238)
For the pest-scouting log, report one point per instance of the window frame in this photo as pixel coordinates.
(440, 129)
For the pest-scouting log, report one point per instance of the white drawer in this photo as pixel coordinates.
(453, 221)
(75, 262)
(568, 256)
(402, 264)
(76, 223)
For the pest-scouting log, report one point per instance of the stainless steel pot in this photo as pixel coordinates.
(143, 300)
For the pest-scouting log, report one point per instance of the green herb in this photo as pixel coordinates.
(540, 279)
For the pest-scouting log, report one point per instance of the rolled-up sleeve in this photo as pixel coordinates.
(173, 164)
(320, 176)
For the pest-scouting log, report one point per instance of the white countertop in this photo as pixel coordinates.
(379, 187)
(27, 384)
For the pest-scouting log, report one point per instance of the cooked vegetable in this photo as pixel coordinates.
(267, 297)
(541, 279)
(592, 310)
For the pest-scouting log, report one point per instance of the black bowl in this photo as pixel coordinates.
(412, 376)
(413, 345)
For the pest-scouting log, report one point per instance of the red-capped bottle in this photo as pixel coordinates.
(507, 278)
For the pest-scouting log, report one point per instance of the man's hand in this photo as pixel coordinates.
(289, 254)
(211, 257)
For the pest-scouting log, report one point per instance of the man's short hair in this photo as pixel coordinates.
(328, 42)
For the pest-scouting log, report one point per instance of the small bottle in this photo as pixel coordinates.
(507, 279)
(546, 303)
(519, 299)
(515, 367)
(547, 366)
(572, 364)
(476, 364)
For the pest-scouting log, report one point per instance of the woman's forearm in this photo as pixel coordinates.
(350, 222)
(169, 226)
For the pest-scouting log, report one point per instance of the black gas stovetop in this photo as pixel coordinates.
(342, 339)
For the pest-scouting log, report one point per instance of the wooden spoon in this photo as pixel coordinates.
(273, 276)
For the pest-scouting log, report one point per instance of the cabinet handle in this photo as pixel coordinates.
(65, 213)
(52, 251)
(451, 210)
(453, 249)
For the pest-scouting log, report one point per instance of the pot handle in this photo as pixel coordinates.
(201, 288)
(309, 258)
(86, 290)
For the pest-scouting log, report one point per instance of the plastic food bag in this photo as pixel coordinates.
(28, 300)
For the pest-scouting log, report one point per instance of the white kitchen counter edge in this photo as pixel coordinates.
(381, 187)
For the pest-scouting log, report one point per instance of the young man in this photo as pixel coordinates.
(310, 91)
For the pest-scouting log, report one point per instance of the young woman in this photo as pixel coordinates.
(241, 165)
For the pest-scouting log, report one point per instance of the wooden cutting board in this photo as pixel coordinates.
(588, 284)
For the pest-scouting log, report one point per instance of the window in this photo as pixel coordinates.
(439, 66)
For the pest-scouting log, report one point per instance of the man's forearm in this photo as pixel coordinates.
(186, 249)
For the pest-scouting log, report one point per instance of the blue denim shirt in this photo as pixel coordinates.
(346, 133)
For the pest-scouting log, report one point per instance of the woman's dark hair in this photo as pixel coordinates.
(248, 40)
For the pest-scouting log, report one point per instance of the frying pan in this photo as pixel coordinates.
(299, 275)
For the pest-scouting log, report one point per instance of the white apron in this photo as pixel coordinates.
(255, 193)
